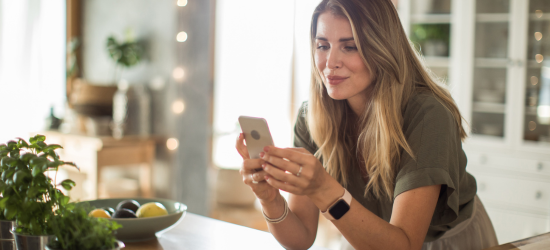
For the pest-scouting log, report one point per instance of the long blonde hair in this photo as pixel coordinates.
(397, 72)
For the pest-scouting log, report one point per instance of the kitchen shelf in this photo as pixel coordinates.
(492, 18)
(489, 107)
(430, 18)
(531, 110)
(533, 17)
(438, 61)
(491, 62)
(534, 64)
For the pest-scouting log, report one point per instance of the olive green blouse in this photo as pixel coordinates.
(434, 138)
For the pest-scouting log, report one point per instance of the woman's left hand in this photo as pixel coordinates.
(294, 170)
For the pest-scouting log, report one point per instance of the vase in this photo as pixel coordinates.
(31, 242)
(118, 245)
(6, 237)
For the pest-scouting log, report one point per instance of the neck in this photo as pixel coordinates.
(357, 104)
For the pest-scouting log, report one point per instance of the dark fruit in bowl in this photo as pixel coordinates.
(128, 204)
(109, 210)
(124, 213)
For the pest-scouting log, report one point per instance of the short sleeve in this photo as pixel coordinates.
(302, 138)
(432, 133)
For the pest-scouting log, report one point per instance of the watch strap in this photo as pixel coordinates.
(346, 197)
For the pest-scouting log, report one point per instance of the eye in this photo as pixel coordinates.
(322, 47)
(350, 48)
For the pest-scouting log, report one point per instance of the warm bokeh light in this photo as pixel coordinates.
(538, 13)
(178, 73)
(157, 83)
(182, 37)
(178, 107)
(532, 125)
(172, 143)
(538, 36)
(534, 80)
(539, 58)
(182, 3)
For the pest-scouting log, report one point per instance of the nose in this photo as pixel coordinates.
(334, 60)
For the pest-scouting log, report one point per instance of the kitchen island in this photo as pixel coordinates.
(197, 232)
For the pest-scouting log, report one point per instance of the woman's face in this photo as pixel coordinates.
(336, 57)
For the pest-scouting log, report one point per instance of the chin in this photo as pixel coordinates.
(337, 96)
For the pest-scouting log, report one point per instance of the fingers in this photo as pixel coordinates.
(241, 148)
(283, 186)
(290, 154)
(252, 165)
(281, 175)
(300, 150)
(258, 176)
(281, 163)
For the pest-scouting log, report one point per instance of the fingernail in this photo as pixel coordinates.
(267, 177)
(263, 165)
(266, 148)
(262, 154)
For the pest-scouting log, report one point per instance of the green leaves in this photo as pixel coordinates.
(74, 229)
(8, 161)
(27, 195)
(126, 54)
(21, 177)
(37, 138)
(67, 184)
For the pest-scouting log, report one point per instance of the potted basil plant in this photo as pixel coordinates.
(74, 229)
(30, 198)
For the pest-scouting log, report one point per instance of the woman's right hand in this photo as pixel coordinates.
(253, 174)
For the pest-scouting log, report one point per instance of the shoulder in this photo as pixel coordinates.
(424, 107)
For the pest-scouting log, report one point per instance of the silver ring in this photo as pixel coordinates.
(299, 172)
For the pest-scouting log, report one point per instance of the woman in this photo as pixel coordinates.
(380, 145)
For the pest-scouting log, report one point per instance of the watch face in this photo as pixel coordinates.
(339, 209)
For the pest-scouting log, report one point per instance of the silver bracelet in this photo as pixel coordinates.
(277, 220)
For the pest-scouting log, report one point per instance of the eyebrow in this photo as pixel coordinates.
(341, 39)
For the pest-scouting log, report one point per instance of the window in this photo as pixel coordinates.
(32, 64)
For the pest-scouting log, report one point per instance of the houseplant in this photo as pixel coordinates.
(124, 54)
(30, 197)
(74, 229)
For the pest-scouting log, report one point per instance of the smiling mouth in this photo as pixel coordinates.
(335, 80)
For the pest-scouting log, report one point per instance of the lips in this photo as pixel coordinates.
(335, 80)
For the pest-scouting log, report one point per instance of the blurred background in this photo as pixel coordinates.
(144, 95)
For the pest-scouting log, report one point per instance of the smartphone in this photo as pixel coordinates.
(256, 133)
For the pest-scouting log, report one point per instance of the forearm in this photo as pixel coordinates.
(362, 228)
(291, 232)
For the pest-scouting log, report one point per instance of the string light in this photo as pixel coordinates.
(532, 125)
(534, 80)
(538, 13)
(178, 107)
(172, 143)
(539, 58)
(178, 73)
(538, 36)
(182, 3)
(181, 37)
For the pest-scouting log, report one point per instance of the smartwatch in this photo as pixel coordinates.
(338, 208)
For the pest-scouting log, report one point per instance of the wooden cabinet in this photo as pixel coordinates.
(498, 71)
(93, 154)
